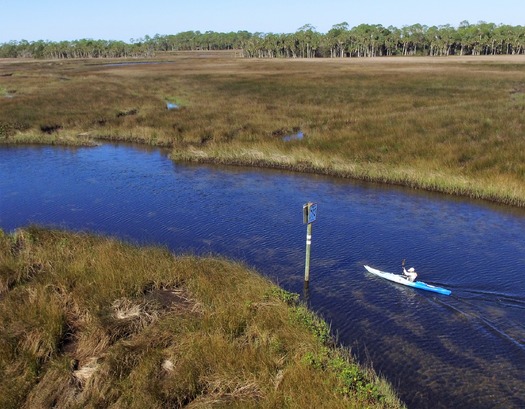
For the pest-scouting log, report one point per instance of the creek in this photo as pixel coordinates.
(466, 350)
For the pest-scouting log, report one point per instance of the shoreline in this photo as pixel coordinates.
(162, 328)
(435, 182)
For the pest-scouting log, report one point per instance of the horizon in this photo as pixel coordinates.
(120, 20)
(143, 38)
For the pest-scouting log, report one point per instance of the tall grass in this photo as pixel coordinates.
(454, 125)
(92, 322)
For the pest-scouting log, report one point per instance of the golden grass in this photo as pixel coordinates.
(453, 125)
(92, 322)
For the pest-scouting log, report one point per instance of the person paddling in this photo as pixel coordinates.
(410, 273)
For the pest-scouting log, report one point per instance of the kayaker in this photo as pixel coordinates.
(411, 273)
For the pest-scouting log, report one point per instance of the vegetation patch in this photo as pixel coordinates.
(5, 130)
(88, 321)
(127, 112)
(176, 102)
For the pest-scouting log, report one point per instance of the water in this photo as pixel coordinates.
(297, 136)
(466, 350)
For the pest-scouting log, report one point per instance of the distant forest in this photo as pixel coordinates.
(340, 41)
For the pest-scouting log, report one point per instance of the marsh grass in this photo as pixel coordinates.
(454, 125)
(92, 322)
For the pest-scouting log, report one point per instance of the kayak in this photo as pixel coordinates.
(400, 279)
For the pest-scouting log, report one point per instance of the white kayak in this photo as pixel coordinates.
(401, 279)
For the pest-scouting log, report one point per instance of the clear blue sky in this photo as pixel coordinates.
(57, 20)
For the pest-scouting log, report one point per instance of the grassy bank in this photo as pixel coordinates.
(92, 322)
(453, 125)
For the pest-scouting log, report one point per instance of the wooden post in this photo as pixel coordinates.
(309, 216)
(308, 245)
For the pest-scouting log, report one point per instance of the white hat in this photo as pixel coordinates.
(411, 269)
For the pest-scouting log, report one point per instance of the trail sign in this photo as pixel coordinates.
(312, 214)
(309, 213)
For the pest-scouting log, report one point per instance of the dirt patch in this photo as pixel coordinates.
(174, 299)
(49, 129)
(129, 317)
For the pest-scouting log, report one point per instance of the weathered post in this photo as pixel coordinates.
(309, 216)
(307, 260)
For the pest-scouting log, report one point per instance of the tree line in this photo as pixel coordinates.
(341, 41)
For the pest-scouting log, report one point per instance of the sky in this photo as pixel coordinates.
(57, 20)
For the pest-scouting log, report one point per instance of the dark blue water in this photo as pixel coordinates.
(462, 351)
